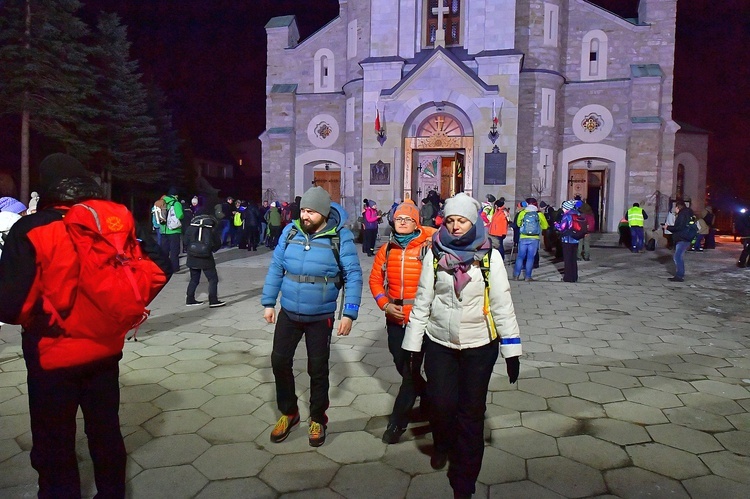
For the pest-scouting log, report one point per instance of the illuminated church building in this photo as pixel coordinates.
(513, 98)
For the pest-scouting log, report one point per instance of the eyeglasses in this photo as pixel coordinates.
(403, 220)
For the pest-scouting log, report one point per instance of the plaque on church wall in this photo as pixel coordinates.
(495, 164)
(380, 173)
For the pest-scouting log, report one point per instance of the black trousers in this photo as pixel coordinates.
(368, 240)
(744, 256)
(170, 244)
(286, 337)
(54, 398)
(570, 257)
(457, 383)
(213, 284)
(409, 366)
(253, 236)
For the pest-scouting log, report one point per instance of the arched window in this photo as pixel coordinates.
(594, 48)
(440, 124)
(323, 76)
(679, 185)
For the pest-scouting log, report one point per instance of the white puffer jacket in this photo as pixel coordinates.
(459, 322)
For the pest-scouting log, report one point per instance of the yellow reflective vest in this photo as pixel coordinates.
(635, 216)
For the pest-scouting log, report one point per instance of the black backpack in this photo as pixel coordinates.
(201, 246)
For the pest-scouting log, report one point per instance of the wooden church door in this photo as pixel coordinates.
(330, 181)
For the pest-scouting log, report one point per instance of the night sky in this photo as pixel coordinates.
(209, 58)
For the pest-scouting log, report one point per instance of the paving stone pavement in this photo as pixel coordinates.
(631, 386)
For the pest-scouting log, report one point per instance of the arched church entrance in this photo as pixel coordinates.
(329, 178)
(438, 157)
(589, 178)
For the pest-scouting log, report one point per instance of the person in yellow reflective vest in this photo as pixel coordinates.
(636, 216)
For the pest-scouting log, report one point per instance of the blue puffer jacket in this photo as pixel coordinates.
(311, 256)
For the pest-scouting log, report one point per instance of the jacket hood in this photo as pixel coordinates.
(336, 217)
(531, 207)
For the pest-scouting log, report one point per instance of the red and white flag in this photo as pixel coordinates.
(494, 115)
(377, 120)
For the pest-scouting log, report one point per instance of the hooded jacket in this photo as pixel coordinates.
(310, 258)
(543, 225)
(173, 201)
(400, 269)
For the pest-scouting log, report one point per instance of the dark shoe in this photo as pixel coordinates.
(438, 460)
(283, 426)
(317, 434)
(676, 279)
(193, 303)
(516, 277)
(741, 265)
(392, 434)
(587, 258)
(217, 304)
(529, 279)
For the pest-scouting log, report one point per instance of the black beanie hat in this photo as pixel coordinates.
(62, 178)
(59, 166)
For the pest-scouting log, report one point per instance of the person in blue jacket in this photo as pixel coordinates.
(314, 259)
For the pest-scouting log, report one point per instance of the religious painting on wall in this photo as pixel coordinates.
(380, 173)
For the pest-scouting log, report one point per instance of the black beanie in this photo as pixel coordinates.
(59, 166)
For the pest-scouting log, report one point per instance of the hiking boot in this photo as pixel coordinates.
(676, 279)
(392, 434)
(217, 304)
(283, 426)
(529, 279)
(317, 434)
(193, 303)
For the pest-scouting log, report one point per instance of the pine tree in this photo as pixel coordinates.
(46, 79)
(129, 145)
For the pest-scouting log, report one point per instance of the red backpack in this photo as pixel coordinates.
(115, 281)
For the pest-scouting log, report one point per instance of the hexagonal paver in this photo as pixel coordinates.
(615, 380)
(721, 389)
(728, 465)
(408, 456)
(637, 482)
(687, 439)
(130, 414)
(191, 366)
(168, 482)
(593, 452)
(524, 488)
(186, 381)
(183, 399)
(736, 441)
(715, 486)
(652, 398)
(550, 423)
(370, 480)
(523, 442)
(697, 419)
(353, 447)
(618, 432)
(233, 429)
(564, 375)
(227, 386)
(232, 461)
(231, 405)
(635, 413)
(301, 471)
(543, 387)
(519, 401)
(176, 422)
(500, 467)
(576, 408)
(556, 473)
(667, 461)
(712, 403)
(376, 404)
(171, 450)
(596, 392)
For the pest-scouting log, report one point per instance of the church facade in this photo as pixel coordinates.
(515, 98)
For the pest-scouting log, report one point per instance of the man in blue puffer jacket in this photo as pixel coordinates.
(314, 259)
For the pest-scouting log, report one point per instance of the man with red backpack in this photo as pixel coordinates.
(76, 278)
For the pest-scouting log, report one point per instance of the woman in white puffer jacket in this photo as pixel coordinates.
(462, 330)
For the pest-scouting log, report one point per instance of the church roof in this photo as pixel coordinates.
(280, 22)
(688, 128)
(425, 56)
(645, 70)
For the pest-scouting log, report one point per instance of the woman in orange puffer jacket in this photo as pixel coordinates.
(393, 282)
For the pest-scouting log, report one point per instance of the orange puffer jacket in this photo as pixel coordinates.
(401, 272)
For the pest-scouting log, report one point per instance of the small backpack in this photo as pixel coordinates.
(237, 219)
(173, 223)
(692, 228)
(115, 282)
(202, 246)
(530, 224)
(579, 226)
(160, 211)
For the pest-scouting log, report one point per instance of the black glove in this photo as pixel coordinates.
(512, 365)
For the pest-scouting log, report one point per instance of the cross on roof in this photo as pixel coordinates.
(440, 11)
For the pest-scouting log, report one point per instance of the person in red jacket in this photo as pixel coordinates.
(393, 283)
(66, 370)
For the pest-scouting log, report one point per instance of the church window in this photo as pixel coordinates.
(450, 13)
(548, 107)
(440, 124)
(594, 56)
(680, 183)
(551, 21)
(324, 71)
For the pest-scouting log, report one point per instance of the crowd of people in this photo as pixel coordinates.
(439, 279)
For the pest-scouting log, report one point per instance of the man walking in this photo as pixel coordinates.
(315, 257)
(171, 230)
(636, 216)
(681, 237)
(73, 362)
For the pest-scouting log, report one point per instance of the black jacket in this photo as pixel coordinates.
(191, 235)
(680, 228)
